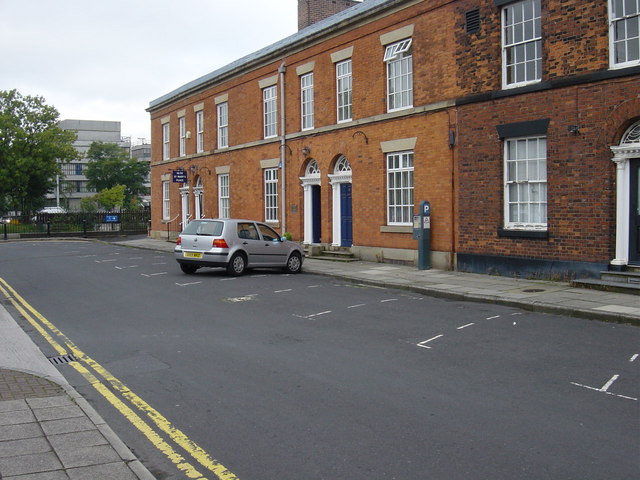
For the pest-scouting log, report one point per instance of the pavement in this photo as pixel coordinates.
(49, 432)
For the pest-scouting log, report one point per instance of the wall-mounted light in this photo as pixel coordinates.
(306, 151)
(188, 134)
(574, 129)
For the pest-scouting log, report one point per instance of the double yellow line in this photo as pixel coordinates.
(138, 410)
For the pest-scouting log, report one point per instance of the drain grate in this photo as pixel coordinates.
(62, 359)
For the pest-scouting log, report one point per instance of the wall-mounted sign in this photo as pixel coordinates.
(111, 219)
(179, 176)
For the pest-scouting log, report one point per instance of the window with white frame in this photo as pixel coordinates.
(183, 136)
(400, 188)
(525, 180)
(223, 125)
(521, 43)
(224, 205)
(199, 131)
(343, 90)
(166, 142)
(399, 75)
(306, 101)
(270, 109)
(624, 32)
(166, 203)
(271, 194)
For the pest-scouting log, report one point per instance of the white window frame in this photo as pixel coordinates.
(400, 184)
(521, 43)
(271, 198)
(166, 200)
(199, 131)
(620, 19)
(525, 183)
(344, 91)
(182, 125)
(166, 141)
(306, 101)
(399, 60)
(223, 125)
(224, 198)
(270, 111)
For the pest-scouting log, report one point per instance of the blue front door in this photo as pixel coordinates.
(315, 214)
(346, 229)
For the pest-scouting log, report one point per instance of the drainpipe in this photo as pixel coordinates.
(281, 70)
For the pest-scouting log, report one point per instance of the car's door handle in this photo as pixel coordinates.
(245, 243)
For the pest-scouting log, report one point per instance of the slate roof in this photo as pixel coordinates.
(280, 48)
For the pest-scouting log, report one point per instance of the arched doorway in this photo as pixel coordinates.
(198, 195)
(312, 203)
(627, 159)
(342, 216)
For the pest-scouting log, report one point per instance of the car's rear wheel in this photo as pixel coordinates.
(237, 265)
(294, 263)
(188, 269)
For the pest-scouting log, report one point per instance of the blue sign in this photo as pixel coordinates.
(111, 219)
(179, 176)
(426, 207)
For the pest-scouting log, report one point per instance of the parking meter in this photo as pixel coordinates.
(422, 233)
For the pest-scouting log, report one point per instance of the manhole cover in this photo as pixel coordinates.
(533, 290)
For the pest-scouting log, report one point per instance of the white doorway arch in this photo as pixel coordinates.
(312, 211)
(626, 157)
(342, 174)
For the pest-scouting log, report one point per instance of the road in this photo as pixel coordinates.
(274, 376)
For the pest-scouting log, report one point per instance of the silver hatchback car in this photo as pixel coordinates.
(235, 245)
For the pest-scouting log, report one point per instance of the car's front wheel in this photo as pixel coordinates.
(294, 263)
(188, 268)
(237, 265)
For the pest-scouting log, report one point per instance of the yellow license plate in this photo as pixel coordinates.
(192, 254)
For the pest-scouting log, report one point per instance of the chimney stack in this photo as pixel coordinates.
(312, 11)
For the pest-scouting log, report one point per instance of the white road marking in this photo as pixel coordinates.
(153, 274)
(129, 266)
(86, 256)
(282, 291)
(318, 314)
(491, 318)
(227, 279)
(606, 386)
(159, 263)
(187, 284)
(422, 344)
(313, 286)
(109, 260)
(465, 326)
(389, 300)
(633, 358)
(602, 391)
(356, 306)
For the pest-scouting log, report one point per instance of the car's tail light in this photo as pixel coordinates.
(220, 243)
(179, 241)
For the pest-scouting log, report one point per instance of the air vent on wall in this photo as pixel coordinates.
(473, 21)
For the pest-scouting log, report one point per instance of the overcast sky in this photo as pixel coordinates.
(106, 60)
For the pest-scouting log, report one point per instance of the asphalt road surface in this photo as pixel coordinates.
(275, 376)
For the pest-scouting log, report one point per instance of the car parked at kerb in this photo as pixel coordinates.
(236, 245)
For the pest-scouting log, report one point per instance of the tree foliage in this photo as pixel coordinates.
(32, 146)
(110, 166)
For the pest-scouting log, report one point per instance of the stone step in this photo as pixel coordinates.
(621, 277)
(607, 285)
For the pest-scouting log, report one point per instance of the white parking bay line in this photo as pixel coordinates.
(606, 386)
(153, 274)
(422, 344)
(282, 291)
(187, 284)
(465, 326)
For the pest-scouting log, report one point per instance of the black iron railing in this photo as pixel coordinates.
(94, 224)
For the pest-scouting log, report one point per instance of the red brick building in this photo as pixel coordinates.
(505, 115)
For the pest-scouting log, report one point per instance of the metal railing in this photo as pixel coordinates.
(94, 224)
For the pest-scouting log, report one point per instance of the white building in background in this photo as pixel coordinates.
(72, 185)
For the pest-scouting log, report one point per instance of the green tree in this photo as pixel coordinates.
(111, 198)
(32, 146)
(109, 166)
